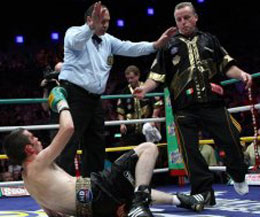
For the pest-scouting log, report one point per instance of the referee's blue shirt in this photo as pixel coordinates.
(87, 63)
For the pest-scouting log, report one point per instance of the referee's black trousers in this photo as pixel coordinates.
(218, 122)
(88, 117)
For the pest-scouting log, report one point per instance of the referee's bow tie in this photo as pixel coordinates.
(96, 39)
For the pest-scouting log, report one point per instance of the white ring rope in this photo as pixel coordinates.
(56, 126)
(243, 108)
(117, 122)
(133, 121)
(13, 183)
(211, 168)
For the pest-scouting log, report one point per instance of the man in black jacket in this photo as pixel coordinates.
(192, 65)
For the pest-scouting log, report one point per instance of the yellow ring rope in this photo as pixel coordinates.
(202, 142)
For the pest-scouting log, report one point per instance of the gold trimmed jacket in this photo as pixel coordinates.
(133, 108)
(189, 65)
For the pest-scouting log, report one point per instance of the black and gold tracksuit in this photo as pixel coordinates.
(133, 108)
(188, 66)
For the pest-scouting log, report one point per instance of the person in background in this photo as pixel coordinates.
(7, 176)
(133, 108)
(250, 154)
(208, 152)
(50, 81)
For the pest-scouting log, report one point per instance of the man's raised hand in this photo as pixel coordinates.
(97, 15)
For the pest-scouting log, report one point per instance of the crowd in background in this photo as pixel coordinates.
(21, 72)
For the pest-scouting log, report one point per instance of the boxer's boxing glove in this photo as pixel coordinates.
(57, 99)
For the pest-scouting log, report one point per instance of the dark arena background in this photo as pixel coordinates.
(235, 23)
(31, 43)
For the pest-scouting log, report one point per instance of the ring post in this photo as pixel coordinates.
(175, 161)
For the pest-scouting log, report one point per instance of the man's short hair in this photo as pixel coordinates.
(185, 4)
(89, 11)
(132, 68)
(14, 145)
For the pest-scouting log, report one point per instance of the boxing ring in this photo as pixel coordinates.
(15, 200)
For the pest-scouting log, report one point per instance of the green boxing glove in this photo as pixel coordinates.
(57, 99)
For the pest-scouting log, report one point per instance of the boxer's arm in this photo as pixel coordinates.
(57, 102)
